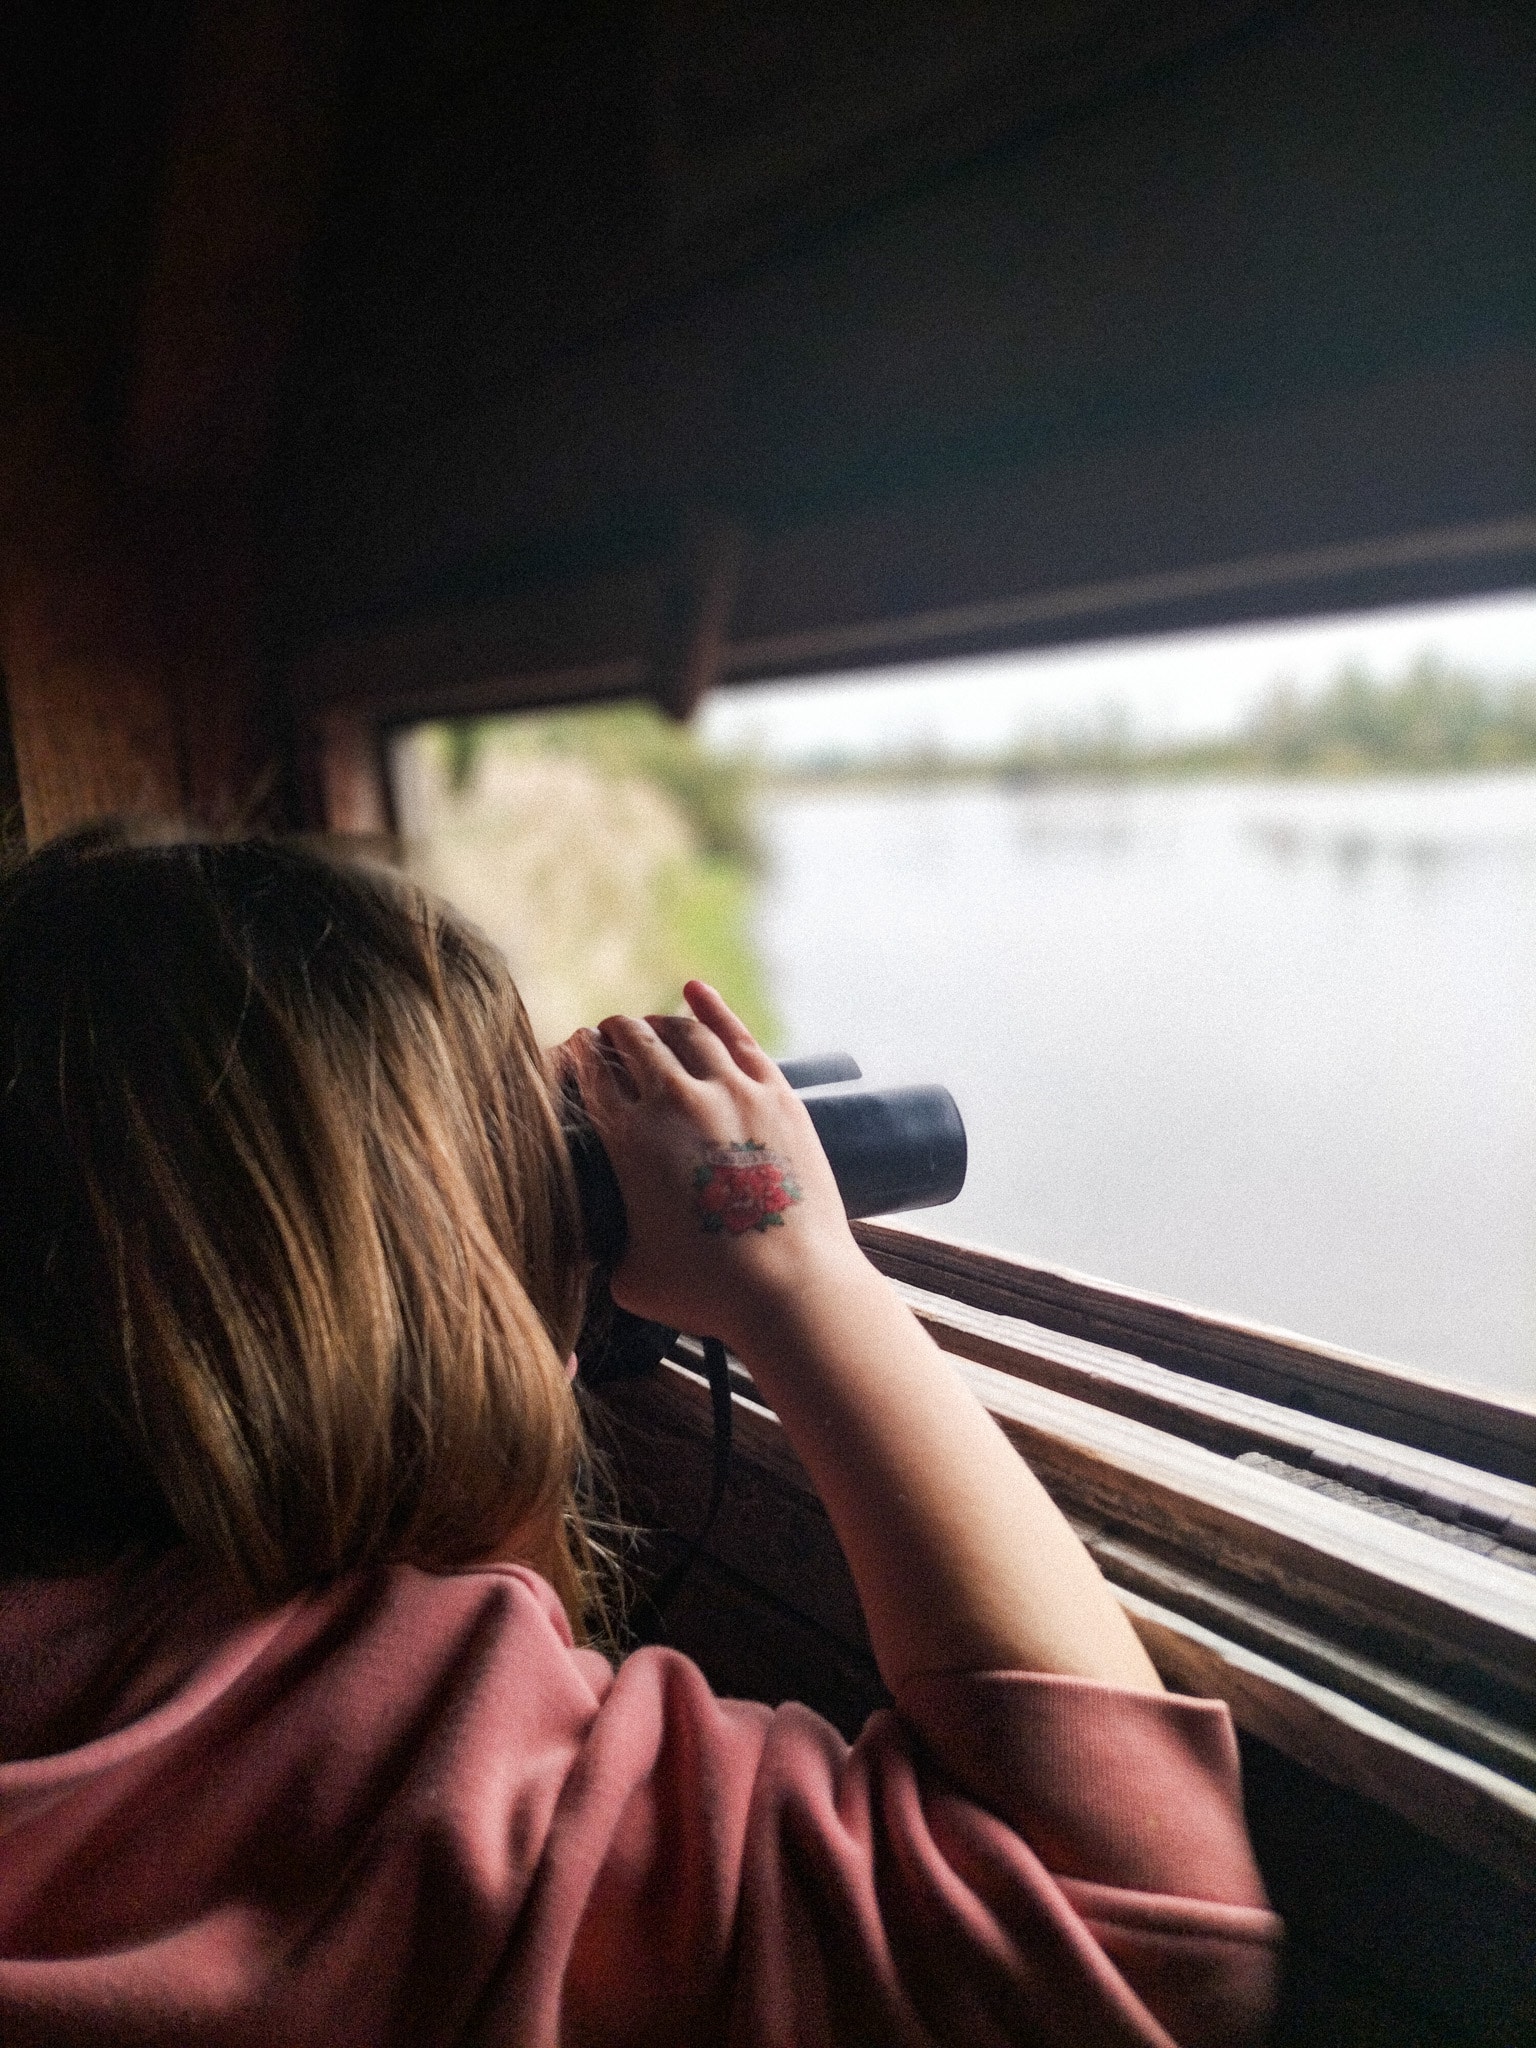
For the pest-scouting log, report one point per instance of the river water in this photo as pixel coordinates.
(1266, 1047)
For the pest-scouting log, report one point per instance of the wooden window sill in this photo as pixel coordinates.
(1363, 1598)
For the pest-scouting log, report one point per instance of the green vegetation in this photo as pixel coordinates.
(611, 853)
(1431, 720)
(708, 905)
(712, 791)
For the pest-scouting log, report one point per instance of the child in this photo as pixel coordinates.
(295, 1741)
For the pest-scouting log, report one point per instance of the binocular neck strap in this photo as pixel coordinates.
(717, 1368)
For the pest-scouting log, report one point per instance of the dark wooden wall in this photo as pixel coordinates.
(162, 168)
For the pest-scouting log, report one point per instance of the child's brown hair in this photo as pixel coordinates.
(290, 1252)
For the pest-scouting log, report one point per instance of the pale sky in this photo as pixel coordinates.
(1174, 685)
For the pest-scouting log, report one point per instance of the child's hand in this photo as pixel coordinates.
(736, 1231)
(730, 1200)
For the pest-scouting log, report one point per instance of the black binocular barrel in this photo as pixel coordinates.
(816, 1069)
(892, 1148)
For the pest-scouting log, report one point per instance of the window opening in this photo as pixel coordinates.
(1225, 942)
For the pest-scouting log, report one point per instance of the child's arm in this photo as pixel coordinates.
(736, 1230)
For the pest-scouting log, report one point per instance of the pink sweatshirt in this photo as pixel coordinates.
(405, 1810)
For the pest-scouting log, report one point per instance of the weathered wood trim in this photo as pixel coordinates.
(1459, 1801)
(1232, 1423)
(1168, 1573)
(1460, 1773)
(1411, 1600)
(1492, 1433)
(1428, 1599)
(1505, 1745)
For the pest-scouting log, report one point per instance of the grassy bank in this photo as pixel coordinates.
(607, 852)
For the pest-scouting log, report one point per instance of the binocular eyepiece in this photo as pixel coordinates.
(890, 1149)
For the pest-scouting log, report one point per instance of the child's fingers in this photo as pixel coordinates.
(695, 1046)
(712, 1010)
(652, 1066)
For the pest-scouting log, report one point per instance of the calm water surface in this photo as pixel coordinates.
(1265, 1047)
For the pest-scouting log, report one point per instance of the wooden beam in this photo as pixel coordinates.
(1236, 522)
(1491, 1433)
(132, 675)
(346, 784)
(244, 188)
(92, 719)
(13, 830)
(1408, 489)
(1445, 1493)
(695, 650)
(129, 569)
(1418, 566)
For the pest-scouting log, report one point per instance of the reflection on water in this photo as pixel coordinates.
(1422, 825)
(1267, 1047)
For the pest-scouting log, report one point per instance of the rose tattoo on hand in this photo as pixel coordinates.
(738, 1188)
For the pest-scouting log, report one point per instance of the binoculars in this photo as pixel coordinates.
(889, 1149)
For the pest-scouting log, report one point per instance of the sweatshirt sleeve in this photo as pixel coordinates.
(1007, 1858)
(1133, 1803)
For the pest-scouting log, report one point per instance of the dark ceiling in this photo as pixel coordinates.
(472, 300)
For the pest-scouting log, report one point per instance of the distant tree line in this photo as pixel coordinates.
(1431, 719)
